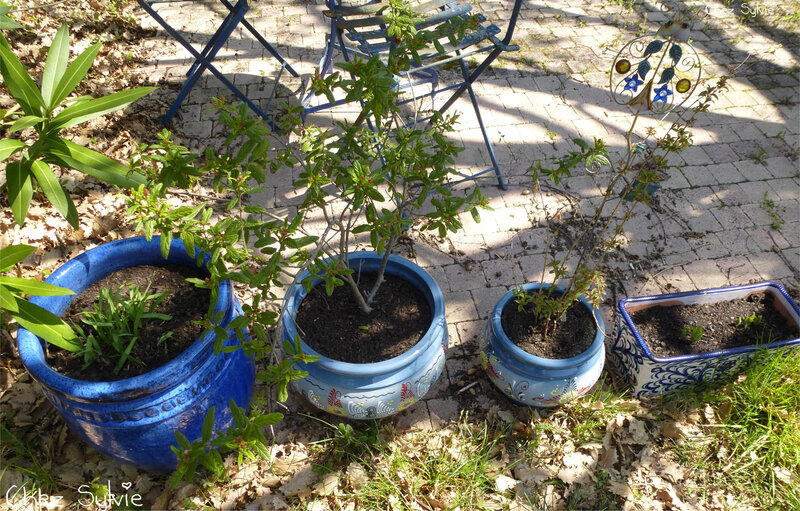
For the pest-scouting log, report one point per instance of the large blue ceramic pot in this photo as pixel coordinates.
(536, 381)
(133, 420)
(375, 390)
(630, 355)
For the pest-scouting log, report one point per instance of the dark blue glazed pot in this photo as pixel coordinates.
(649, 375)
(372, 391)
(134, 420)
(535, 381)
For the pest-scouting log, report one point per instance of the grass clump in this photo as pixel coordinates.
(443, 471)
(756, 444)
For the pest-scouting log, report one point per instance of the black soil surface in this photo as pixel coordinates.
(571, 335)
(724, 325)
(185, 303)
(334, 326)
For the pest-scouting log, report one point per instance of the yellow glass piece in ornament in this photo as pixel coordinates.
(623, 66)
(683, 85)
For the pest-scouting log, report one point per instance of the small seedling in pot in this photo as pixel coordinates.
(753, 320)
(692, 333)
(116, 322)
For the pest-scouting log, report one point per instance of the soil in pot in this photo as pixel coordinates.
(572, 334)
(335, 327)
(185, 303)
(688, 329)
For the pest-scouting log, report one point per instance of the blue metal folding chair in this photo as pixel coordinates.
(366, 30)
(203, 59)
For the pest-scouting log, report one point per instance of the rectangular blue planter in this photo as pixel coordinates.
(631, 357)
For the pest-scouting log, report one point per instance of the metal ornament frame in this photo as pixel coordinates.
(660, 88)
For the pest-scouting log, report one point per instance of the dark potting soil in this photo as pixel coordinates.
(664, 327)
(334, 325)
(572, 334)
(185, 303)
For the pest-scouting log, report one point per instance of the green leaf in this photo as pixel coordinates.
(269, 419)
(21, 86)
(13, 254)
(8, 301)
(208, 425)
(183, 442)
(46, 325)
(25, 122)
(20, 190)
(7, 23)
(9, 147)
(55, 66)
(86, 110)
(55, 193)
(34, 287)
(74, 74)
(238, 414)
(69, 154)
(213, 461)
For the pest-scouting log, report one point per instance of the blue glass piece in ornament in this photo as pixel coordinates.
(662, 93)
(667, 75)
(644, 68)
(675, 52)
(654, 47)
(640, 147)
(632, 83)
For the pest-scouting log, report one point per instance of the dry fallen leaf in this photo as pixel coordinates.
(785, 476)
(503, 483)
(300, 483)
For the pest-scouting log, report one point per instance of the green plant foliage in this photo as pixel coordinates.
(48, 112)
(692, 333)
(41, 322)
(246, 437)
(116, 322)
(757, 428)
(598, 233)
(391, 176)
(6, 22)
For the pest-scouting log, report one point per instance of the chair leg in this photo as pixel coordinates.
(203, 60)
(250, 28)
(495, 166)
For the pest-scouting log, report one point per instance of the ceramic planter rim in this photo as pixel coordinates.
(622, 309)
(31, 349)
(374, 368)
(546, 363)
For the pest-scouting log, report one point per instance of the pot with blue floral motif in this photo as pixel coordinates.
(649, 375)
(379, 389)
(532, 380)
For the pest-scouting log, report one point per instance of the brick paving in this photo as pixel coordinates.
(710, 224)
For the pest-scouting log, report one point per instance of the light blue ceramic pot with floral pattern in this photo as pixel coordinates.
(649, 375)
(380, 389)
(535, 381)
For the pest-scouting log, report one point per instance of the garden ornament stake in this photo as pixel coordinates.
(660, 88)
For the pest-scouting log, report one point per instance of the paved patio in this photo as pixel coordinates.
(710, 225)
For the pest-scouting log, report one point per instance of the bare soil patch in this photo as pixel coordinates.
(723, 325)
(572, 335)
(334, 326)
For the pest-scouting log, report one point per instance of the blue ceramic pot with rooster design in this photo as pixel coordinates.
(380, 389)
(535, 381)
(134, 420)
(649, 375)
